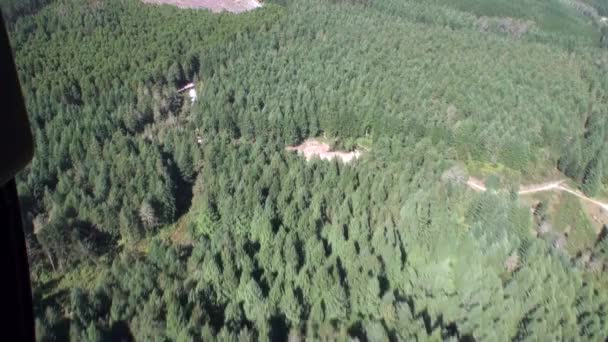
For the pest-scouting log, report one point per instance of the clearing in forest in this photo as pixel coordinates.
(478, 185)
(313, 148)
(216, 6)
(572, 220)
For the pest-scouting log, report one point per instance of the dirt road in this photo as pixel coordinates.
(478, 185)
(530, 189)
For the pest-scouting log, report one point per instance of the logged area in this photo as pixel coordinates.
(234, 6)
(312, 148)
(322, 170)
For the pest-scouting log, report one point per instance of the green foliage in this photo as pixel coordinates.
(600, 5)
(280, 247)
(204, 224)
(492, 182)
(13, 9)
(584, 158)
(552, 16)
(572, 221)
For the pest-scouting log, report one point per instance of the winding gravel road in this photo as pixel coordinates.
(478, 185)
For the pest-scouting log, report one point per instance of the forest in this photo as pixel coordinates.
(152, 217)
(13, 9)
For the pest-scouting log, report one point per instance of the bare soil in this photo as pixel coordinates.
(312, 148)
(216, 6)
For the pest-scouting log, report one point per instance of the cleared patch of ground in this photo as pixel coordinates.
(176, 234)
(313, 148)
(563, 216)
(570, 219)
(559, 185)
(216, 6)
(598, 216)
(514, 27)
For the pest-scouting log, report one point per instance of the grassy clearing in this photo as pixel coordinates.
(482, 170)
(603, 193)
(569, 217)
(365, 143)
(176, 233)
(85, 276)
(509, 177)
(551, 16)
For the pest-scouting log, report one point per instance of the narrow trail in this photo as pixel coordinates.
(478, 185)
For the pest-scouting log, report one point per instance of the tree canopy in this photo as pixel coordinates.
(157, 218)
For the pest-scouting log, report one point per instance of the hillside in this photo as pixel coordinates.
(233, 6)
(155, 216)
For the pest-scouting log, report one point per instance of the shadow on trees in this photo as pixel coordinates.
(278, 328)
(356, 331)
(183, 188)
(62, 330)
(38, 292)
(120, 332)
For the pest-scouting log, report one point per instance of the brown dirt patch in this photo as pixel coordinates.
(216, 6)
(312, 148)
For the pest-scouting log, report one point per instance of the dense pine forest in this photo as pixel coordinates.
(155, 218)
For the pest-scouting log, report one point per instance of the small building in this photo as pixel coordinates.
(191, 91)
(192, 94)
